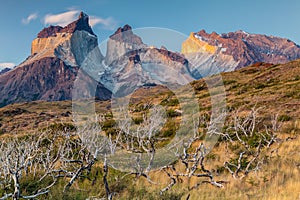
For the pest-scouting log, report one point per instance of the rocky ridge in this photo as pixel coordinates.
(53, 66)
(130, 63)
(71, 43)
(48, 79)
(4, 70)
(234, 50)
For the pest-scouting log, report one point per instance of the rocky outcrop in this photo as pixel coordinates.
(121, 42)
(146, 66)
(47, 79)
(50, 31)
(54, 65)
(71, 43)
(131, 64)
(125, 35)
(211, 53)
(2, 71)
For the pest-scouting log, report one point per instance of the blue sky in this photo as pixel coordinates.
(20, 21)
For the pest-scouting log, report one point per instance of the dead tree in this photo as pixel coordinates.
(79, 151)
(141, 140)
(21, 157)
(193, 160)
(249, 138)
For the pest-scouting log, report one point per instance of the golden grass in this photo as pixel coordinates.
(278, 179)
(276, 89)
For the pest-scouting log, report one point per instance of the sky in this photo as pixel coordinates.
(20, 20)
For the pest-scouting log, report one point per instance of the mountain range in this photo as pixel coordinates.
(59, 53)
(212, 53)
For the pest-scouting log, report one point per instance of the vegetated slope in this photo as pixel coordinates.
(47, 79)
(272, 88)
(275, 88)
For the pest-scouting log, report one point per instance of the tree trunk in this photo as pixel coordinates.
(16, 194)
(105, 172)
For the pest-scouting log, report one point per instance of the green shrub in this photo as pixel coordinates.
(200, 86)
(292, 94)
(172, 113)
(297, 78)
(137, 120)
(260, 86)
(170, 102)
(243, 90)
(169, 129)
(111, 131)
(84, 118)
(253, 141)
(143, 193)
(249, 70)
(284, 118)
(207, 94)
(211, 156)
(234, 86)
(108, 124)
(108, 115)
(234, 147)
(61, 127)
(252, 181)
(228, 82)
(244, 162)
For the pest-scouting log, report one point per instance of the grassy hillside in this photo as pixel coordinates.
(273, 89)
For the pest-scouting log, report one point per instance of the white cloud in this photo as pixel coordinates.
(6, 65)
(30, 18)
(107, 23)
(61, 19)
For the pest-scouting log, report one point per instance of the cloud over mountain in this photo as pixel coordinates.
(6, 65)
(63, 19)
(107, 23)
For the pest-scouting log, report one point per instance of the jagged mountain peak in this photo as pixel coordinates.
(126, 27)
(242, 32)
(125, 35)
(121, 42)
(82, 15)
(81, 24)
(71, 43)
